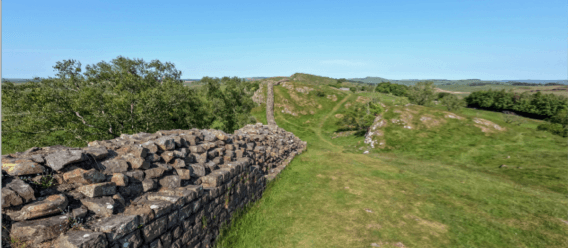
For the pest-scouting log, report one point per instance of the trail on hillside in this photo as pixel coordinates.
(318, 130)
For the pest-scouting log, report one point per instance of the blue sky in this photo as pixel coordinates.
(391, 39)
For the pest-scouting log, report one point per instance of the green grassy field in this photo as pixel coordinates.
(432, 187)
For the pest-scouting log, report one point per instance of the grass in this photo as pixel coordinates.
(442, 189)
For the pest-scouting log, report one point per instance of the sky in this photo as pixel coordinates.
(488, 40)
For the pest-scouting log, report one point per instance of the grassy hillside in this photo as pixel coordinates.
(437, 184)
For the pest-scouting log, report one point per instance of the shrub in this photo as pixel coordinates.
(442, 95)
(390, 88)
(452, 102)
(554, 128)
(320, 93)
(422, 93)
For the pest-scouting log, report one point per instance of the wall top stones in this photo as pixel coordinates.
(108, 191)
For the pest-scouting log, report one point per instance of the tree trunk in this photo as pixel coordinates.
(270, 104)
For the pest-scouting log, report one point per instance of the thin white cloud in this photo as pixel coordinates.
(342, 62)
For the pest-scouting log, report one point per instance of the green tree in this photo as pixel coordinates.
(422, 93)
(360, 116)
(112, 98)
(452, 102)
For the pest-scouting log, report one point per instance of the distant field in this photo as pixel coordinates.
(557, 90)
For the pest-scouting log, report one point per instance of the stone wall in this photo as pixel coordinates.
(169, 189)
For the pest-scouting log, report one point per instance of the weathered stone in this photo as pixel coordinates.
(151, 146)
(171, 182)
(132, 190)
(138, 163)
(178, 163)
(82, 239)
(184, 174)
(148, 184)
(58, 160)
(115, 166)
(96, 152)
(166, 239)
(154, 173)
(211, 165)
(154, 229)
(135, 176)
(166, 143)
(40, 230)
(190, 158)
(144, 212)
(212, 180)
(51, 205)
(161, 196)
(118, 197)
(103, 206)
(153, 157)
(166, 167)
(38, 158)
(156, 244)
(22, 189)
(84, 176)
(201, 158)
(218, 160)
(117, 227)
(132, 240)
(197, 170)
(22, 168)
(79, 212)
(173, 219)
(196, 149)
(10, 198)
(167, 156)
(190, 140)
(98, 189)
(139, 151)
(119, 179)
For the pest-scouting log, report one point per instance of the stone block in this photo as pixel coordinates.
(40, 230)
(144, 212)
(171, 182)
(168, 156)
(98, 189)
(22, 189)
(154, 172)
(184, 174)
(22, 168)
(116, 227)
(166, 143)
(51, 205)
(151, 146)
(118, 198)
(178, 163)
(103, 206)
(173, 219)
(132, 240)
(10, 198)
(153, 157)
(81, 239)
(96, 152)
(82, 176)
(138, 163)
(197, 170)
(154, 229)
(136, 176)
(148, 184)
(119, 179)
(166, 239)
(59, 159)
(115, 166)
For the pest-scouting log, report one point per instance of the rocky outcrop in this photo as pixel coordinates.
(167, 189)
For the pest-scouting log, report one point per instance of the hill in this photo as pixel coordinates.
(433, 179)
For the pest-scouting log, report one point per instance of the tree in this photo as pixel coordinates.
(361, 116)
(422, 93)
(452, 102)
(112, 98)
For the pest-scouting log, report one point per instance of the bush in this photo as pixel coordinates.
(554, 128)
(422, 93)
(320, 93)
(452, 102)
(442, 95)
(390, 88)
(353, 89)
(360, 116)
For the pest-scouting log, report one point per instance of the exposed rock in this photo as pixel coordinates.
(115, 166)
(58, 160)
(82, 239)
(22, 189)
(148, 184)
(96, 152)
(166, 143)
(51, 205)
(10, 198)
(98, 189)
(117, 227)
(103, 206)
(40, 230)
(84, 176)
(171, 182)
(119, 179)
(22, 168)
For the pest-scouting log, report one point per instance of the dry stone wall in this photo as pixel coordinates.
(168, 189)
